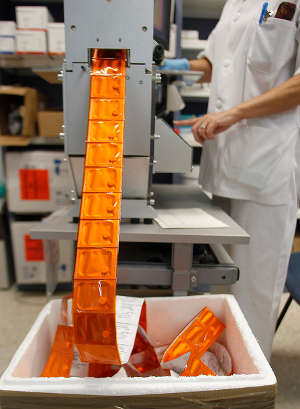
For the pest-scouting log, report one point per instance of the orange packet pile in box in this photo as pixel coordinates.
(193, 352)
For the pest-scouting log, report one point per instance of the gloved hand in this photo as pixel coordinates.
(181, 64)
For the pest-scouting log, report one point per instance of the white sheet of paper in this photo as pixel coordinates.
(128, 311)
(188, 218)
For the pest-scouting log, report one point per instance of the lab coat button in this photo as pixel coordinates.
(227, 63)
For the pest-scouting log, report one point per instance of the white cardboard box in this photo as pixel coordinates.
(31, 42)
(253, 384)
(30, 259)
(37, 181)
(36, 17)
(7, 45)
(56, 38)
(7, 28)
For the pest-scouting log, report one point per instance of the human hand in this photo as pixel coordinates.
(180, 64)
(208, 126)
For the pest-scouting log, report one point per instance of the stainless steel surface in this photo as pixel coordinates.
(109, 24)
(183, 72)
(144, 274)
(137, 131)
(167, 196)
(171, 152)
(76, 92)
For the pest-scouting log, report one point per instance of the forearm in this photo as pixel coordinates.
(279, 99)
(204, 65)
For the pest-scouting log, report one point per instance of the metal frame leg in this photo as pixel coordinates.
(182, 261)
(283, 312)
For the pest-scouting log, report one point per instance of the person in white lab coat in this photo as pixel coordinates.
(249, 137)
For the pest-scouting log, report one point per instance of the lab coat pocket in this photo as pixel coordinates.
(272, 46)
(250, 155)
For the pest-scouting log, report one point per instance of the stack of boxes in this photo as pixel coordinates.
(38, 182)
(35, 33)
(31, 29)
(7, 37)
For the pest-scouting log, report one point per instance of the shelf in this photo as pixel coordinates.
(193, 44)
(39, 140)
(192, 93)
(32, 61)
(22, 141)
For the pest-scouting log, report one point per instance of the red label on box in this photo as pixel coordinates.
(34, 249)
(34, 184)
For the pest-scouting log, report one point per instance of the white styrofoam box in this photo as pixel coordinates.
(31, 42)
(7, 45)
(165, 317)
(33, 17)
(4, 272)
(30, 258)
(37, 181)
(7, 28)
(56, 38)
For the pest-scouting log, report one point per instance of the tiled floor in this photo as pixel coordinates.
(18, 311)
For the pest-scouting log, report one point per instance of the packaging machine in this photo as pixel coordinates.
(151, 146)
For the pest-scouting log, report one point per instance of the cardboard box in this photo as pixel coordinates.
(33, 17)
(56, 38)
(25, 97)
(253, 385)
(31, 42)
(30, 256)
(50, 123)
(37, 181)
(7, 45)
(8, 28)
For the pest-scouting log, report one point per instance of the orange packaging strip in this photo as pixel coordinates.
(60, 360)
(195, 338)
(95, 275)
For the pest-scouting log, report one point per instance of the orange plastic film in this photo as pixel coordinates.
(98, 233)
(108, 66)
(94, 295)
(95, 337)
(64, 309)
(98, 263)
(104, 154)
(100, 206)
(197, 337)
(107, 109)
(107, 87)
(60, 360)
(108, 54)
(143, 356)
(196, 367)
(102, 180)
(102, 371)
(105, 131)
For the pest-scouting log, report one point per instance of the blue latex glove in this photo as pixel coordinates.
(176, 64)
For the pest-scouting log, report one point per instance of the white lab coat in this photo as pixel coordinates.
(253, 163)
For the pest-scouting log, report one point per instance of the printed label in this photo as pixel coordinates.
(34, 249)
(34, 184)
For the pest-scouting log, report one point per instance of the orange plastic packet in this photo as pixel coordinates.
(195, 339)
(60, 360)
